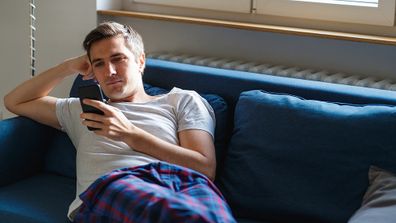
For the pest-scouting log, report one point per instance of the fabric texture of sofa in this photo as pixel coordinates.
(288, 150)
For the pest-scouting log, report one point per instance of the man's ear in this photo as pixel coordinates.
(142, 62)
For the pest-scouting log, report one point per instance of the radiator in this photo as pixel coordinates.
(278, 70)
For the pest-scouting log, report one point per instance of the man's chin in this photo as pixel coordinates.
(118, 98)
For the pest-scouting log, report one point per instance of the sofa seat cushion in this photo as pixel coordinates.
(297, 160)
(41, 198)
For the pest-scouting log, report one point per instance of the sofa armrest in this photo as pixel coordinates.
(23, 144)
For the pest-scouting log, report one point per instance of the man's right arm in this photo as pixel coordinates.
(31, 98)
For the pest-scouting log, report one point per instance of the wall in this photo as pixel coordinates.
(306, 52)
(14, 46)
(61, 27)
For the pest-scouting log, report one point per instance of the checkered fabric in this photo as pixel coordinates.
(157, 192)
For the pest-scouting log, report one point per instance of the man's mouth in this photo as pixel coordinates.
(112, 82)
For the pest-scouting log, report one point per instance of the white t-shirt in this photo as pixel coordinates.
(163, 117)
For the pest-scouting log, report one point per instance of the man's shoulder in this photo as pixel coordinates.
(183, 93)
(71, 103)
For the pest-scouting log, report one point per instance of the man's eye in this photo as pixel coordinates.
(118, 59)
(98, 64)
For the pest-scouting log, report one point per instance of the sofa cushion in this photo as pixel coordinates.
(41, 198)
(297, 160)
(379, 202)
(220, 109)
(61, 158)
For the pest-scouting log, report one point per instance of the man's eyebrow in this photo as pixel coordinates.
(96, 60)
(116, 55)
(112, 56)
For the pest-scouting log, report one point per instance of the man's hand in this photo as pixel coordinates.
(81, 65)
(113, 124)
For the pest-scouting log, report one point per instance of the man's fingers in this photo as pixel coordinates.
(98, 104)
(91, 116)
(92, 124)
(88, 76)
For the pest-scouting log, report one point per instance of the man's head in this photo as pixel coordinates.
(117, 58)
(106, 30)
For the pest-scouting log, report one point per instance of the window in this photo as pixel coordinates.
(243, 6)
(370, 12)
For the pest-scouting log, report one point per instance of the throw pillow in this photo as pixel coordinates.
(379, 202)
(297, 160)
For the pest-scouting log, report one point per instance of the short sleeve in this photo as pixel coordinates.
(68, 113)
(194, 112)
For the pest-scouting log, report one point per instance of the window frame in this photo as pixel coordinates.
(383, 15)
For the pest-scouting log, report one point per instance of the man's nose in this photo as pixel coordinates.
(111, 70)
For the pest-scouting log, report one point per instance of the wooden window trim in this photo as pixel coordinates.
(256, 27)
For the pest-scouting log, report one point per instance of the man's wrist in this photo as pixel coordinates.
(64, 69)
(134, 138)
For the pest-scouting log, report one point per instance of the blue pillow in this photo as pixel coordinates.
(220, 109)
(61, 158)
(297, 160)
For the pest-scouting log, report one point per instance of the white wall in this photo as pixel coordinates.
(61, 27)
(14, 46)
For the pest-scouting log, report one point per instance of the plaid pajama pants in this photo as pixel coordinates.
(157, 192)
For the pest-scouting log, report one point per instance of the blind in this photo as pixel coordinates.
(242, 6)
(370, 12)
(32, 37)
(365, 3)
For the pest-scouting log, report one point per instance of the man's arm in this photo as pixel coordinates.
(196, 150)
(31, 98)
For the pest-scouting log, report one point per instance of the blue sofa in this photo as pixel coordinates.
(288, 150)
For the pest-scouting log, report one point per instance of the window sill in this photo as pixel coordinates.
(256, 27)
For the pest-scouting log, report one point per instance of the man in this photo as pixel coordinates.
(136, 131)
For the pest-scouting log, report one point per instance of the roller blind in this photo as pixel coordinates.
(372, 12)
(242, 6)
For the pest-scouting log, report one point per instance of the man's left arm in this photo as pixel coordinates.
(196, 150)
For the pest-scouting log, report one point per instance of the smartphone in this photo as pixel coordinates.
(91, 92)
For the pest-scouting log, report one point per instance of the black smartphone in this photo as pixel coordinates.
(91, 92)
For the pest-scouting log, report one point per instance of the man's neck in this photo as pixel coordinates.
(135, 98)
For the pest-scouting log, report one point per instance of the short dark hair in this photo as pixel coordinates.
(113, 29)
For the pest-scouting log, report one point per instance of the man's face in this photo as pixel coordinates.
(116, 69)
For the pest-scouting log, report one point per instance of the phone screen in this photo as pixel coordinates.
(91, 92)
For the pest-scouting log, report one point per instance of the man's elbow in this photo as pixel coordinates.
(11, 104)
(210, 171)
(8, 103)
(212, 176)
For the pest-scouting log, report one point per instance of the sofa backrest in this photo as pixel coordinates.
(230, 83)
